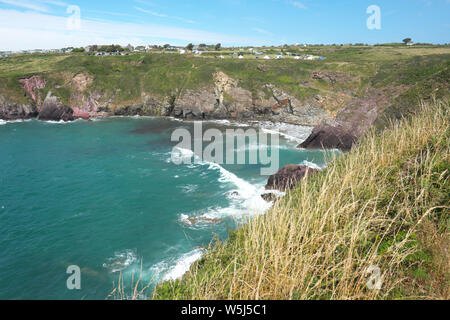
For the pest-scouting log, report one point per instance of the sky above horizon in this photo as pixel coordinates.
(47, 24)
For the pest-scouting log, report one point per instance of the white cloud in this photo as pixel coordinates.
(151, 12)
(297, 4)
(55, 3)
(25, 5)
(262, 31)
(157, 14)
(34, 30)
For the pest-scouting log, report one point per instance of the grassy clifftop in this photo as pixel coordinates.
(345, 71)
(382, 207)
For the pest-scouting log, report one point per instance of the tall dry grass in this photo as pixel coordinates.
(322, 241)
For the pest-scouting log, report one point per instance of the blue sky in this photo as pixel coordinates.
(29, 24)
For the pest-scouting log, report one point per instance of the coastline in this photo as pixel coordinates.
(175, 266)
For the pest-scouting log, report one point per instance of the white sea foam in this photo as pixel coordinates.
(180, 155)
(257, 147)
(3, 122)
(188, 188)
(182, 265)
(174, 269)
(57, 122)
(120, 261)
(312, 165)
(244, 200)
(291, 132)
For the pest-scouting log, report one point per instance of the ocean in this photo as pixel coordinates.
(106, 196)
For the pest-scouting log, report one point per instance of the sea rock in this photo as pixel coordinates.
(196, 220)
(329, 137)
(288, 176)
(54, 110)
(269, 197)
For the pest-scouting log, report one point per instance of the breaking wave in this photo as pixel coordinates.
(172, 269)
(121, 261)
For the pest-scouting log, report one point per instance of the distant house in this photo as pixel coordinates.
(182, 51)
(267, 57)
(410, 43)
(297, 57)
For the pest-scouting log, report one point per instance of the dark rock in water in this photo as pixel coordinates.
(234, 194)
(269, 197)
(329, 137)
(196, 220)
(288, 176)
(53, 110)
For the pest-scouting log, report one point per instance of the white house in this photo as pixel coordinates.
(182, 51)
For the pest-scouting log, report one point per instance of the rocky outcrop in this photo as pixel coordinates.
(288, 176)
(32, 86)
(270, 197)
(228, 100)
(224, 98)
(13, 111)
(352, 120)
(326, 136)
(54, 110)
(330, 76)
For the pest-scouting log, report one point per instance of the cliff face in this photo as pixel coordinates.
(227, 100)
(224, 98)
(12, 111)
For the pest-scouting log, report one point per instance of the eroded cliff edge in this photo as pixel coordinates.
(341, 99)
(224, 98)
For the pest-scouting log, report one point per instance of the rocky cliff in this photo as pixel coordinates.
(224, 98)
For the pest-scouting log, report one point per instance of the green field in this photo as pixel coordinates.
(125, 78)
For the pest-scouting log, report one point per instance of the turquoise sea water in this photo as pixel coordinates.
(105, 196)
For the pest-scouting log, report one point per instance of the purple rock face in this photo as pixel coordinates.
(288, 176)
(329, 137)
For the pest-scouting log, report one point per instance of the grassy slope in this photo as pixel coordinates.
(386, 203)
(124, 78)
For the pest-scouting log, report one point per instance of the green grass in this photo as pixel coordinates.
(124, 78)
(385, 204)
